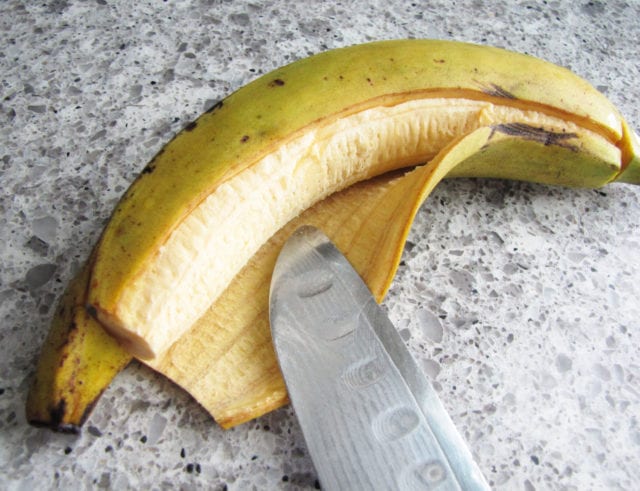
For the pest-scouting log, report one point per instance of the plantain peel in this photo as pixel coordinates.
(180, 275)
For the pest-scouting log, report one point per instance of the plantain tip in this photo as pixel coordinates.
(631, 172)
(630, 147)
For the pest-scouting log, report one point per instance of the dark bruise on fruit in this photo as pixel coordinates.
(278, 82)
(536, 134)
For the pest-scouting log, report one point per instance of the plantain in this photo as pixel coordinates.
(219, 190)
(180, 273)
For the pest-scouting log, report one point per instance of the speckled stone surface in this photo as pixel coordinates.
(520, 300)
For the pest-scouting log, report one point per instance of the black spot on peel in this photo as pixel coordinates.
(278, 82)
(536, 134)
(56, 413)
(191, 126)
(148, 169)
(244, 139)
(215, 107)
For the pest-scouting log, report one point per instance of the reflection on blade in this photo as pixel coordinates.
(370, 418)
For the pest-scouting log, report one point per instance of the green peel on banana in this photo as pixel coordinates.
(181, 272)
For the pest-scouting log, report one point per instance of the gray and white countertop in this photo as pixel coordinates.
(520, 300)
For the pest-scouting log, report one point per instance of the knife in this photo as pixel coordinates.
(369, 416)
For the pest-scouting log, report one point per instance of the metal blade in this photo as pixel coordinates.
(370, 418)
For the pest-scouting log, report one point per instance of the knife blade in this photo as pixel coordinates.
(369, 416)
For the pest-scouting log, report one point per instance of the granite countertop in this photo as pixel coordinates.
(520, 300)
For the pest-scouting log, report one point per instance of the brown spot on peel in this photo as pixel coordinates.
(278, 82)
